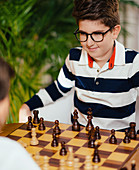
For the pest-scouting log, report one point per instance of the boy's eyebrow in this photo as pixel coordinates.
(97, 31)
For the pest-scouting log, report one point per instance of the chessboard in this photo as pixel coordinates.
(112, 156)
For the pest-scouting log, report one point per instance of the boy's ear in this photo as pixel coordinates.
(116, 31)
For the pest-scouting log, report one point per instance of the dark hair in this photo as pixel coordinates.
(6, 73)
(107, 11)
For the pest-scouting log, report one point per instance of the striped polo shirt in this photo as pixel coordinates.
(110, 91)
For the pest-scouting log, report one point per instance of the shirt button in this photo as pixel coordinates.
(97, 70)
(97, 83)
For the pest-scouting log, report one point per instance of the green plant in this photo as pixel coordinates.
(34, 39)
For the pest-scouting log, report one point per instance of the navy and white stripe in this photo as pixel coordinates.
(111, 93)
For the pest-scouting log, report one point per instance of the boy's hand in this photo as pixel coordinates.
(24, 112)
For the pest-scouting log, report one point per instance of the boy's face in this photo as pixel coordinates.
(4, 110)
(100, 51)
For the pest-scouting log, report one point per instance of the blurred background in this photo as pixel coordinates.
(36, 36)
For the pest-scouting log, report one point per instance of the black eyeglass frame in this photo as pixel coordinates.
(103, 33)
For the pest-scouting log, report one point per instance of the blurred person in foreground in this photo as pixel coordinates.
(12, 155)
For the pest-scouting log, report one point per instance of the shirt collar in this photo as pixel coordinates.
(117, 58)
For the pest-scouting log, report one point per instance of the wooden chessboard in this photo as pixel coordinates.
(113, 156)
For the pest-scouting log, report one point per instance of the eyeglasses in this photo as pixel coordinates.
(95, 36)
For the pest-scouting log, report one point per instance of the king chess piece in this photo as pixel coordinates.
(89, 125)
(36, 119)
(76, 125)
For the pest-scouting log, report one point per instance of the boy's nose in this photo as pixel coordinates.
(89, 41)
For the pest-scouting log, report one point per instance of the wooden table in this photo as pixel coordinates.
(8, 128)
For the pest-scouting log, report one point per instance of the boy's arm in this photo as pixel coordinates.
(50, 94)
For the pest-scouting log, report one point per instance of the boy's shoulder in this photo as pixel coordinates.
(75, 53)
(130, 55)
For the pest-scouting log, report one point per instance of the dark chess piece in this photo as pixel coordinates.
(92, 139)
(133, 165)
(96, 157)
(30, 125)
(41, 125)
(89, 125)
(113, 139)
(97, 133)
(54, 141)
(132, 132)
(57, 129)
(63, 150)
(76, 125)
(126, 138)
(36, 119)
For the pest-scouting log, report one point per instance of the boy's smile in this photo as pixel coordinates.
(100, 51)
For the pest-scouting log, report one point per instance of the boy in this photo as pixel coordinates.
(105, 74)
(12, 156)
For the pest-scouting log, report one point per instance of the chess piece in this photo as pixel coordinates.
(96, 157)
(92, 138)
(36, 119)
(88, 163)
(70, 157)
(57, 129)
(63, 150)
(29, 125)
(133, 165)
(34, 140)
(126, 138)
(132, 132)
(45, 163)
(89, 125)
(76, 125)
(113, 139)
(62, 164)
(97, 133)
(41, 125)
(37, 158)
(76, 163)
(54, 141)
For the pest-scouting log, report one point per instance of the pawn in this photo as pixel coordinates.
(89, 125)
(88, 163)
(30, 125)
(97, 133)
(62, 164)
(113, 139)
(36, 119)
(96, 157)
(41, 125)
(45, 163)
(70, 157)
(132, 132)
(126, 138)
(133, 165)
(57, 129)
(63, 150)
(54, 141)
(76, 165)
(76, 125)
